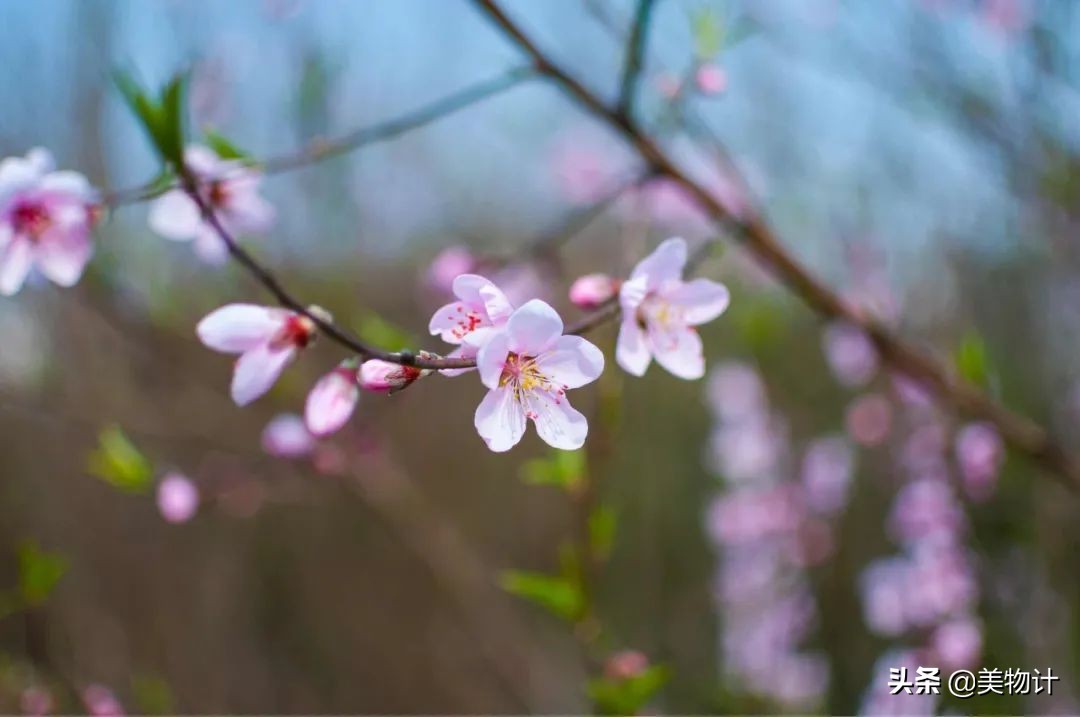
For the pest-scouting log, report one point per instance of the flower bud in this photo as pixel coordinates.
(592, 290)
(710, 79)
(626, 665)
(386, 377)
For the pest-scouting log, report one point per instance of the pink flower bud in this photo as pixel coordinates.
(711, 79)
(626, 664)
(386, 377)
(592, 290)
(286, 436)
(869, 419)
(101, 702)
(332, 400)
(980, 453)
(36, 701)
(177, 498)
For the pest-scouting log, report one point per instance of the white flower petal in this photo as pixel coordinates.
(209, 246)
(70, 183)
(558, 423)
(480, 291)
(572, 362)
(450, 322)
(491, 359)
(677, 349)
(331, 402)
(257, 370)
(500, 420)
(533, 328)
(61, 255)
(249, 212)
(664, 264)
(16, 259)
(236, 328)
(174, 216)
(701, 300)
(632, 293)
(632, 348)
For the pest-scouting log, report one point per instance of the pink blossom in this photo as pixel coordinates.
(926, 509)
(528, 367)
(750, 449)
(45, 221)
(942, 583)
(101, 702)
(470, 321)
(230, 188)
(332, 400)
(584, 173)
(980, 453)
(710, 79)
(660, 311)
(668, 85)
(750, 515)
(36, 701)
(449, 264)
(177, 498)
(878, 702)
(386, 377)
(735, 392)
(869, 419)
(957, 644)
(592, 290)
(625, 665)
(826, 473)
(884, 585)
(850, 354)
(266, 338)
(287, 436)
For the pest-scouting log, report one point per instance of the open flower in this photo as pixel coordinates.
(470, 321)
(45, 220)
(660, 311)
(266, 338)
(232, 191)
(332, 400)
(528, 367)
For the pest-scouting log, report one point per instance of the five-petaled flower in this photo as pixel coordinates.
(232, 191)
(470, 321)
(266, 338)
(528, 366)
(45, 220)
(660, 311)
(332, 399)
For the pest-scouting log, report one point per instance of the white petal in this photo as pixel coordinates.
(558, 423)
(500, 420)
(701, 300)
(491, 359)
(572, 362)
(61, 255)
(450, 322)
(331, 402)
(477, 290)
(210, 247)
(533, 328)
(632, 293)
(664, 264)
(15, 261)
(632, 349)
(70, 183)
(257, 370)
(677, 349)
(240, 327)
(204, 161)
(249, 213)
(174, 216)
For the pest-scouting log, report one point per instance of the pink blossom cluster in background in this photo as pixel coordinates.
(770, 523)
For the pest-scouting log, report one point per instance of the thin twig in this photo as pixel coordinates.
(1022, 433)
(320, 149)
(635, 58)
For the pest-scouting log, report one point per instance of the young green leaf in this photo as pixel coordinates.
(224, 147)
(39, 572)
(119, 463)
(558, 595)
(626, 696)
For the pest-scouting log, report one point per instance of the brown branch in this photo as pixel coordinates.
(1021, 432)
(319, 149)
(635, 57)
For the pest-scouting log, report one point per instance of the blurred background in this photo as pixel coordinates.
(782, 532)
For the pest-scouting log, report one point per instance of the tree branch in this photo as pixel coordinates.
(635, 56)
(1020, 432)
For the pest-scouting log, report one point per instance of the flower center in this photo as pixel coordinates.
(218, 193)
(467, 322)
(524, 377)
(657, 311)
(30, 219)
(298, 331)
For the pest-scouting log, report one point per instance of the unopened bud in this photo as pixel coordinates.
(625, 665)
(592, 290)
(386, 377)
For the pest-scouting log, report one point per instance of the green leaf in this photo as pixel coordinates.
(224, 147)
(558, 595)
(971, 359)
(602, 525)
(119, 463)
(376, 330)
(627, 696)
(39, 572)
(562, 469)
(708, 32)
(145, 109)
(162, 119)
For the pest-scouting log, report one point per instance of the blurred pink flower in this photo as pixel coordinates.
(878, 702)
(101, 702)
(177, 498)
(592, 290)
(332, 400)
(884, 586)
(625, 665)
(942, 584)
(957, 644)
(528, 367)
(287, 436)
(668, 85)
(522, 281)
(230, 188)
(584, 173)
(386, 377)
(912, 393)
(36, 701)
(980, 453)
(1008, 17)
(710, 79)
(826, 474)
(266, 338)
(850, 354)
(481, 308)
(449, 264)
(748, 450)
(926, 509)
(753, 514)
(660, 311)
(869, 419)
(45, 221)
(735, 392)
